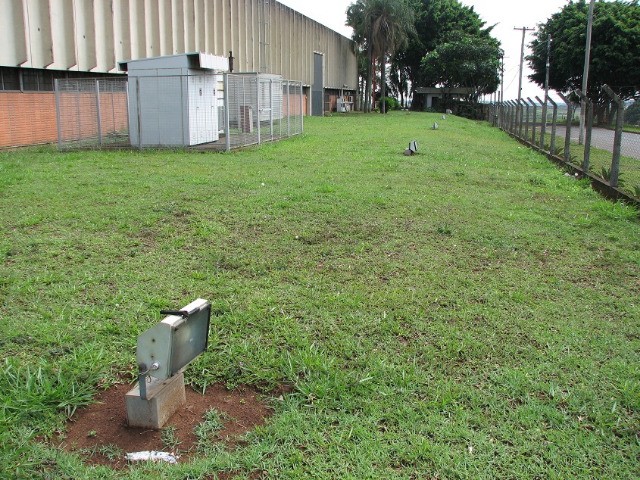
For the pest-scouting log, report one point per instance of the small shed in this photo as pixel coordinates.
(175, 100)
(435, 95)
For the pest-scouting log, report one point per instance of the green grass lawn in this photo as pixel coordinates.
(599, 162)
(468, 312)
(600, 165)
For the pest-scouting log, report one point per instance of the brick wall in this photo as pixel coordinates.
(27, 118)
(78, 115)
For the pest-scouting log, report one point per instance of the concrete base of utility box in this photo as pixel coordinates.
(164, 398)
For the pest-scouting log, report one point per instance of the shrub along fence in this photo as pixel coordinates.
(611, 157)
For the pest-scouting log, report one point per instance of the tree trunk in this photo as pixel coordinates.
(367, 95)
(374, 87)
(383, 81)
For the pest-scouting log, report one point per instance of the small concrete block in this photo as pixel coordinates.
(164, 398)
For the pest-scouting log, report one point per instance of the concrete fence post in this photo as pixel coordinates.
(533, 125)
(524, 120)
(514, 117)
(554, 124)
(523, 106)
(567, 137)
(586, 161)
(614, 173)
(543, 121)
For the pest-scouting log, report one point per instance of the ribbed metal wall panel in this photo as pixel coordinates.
(152, 28)
(64, 52)
(121, 30)
(137, 29)
(85, 36)
(12, 33)
(93, 35)
(38, 28)
(165, 19)
(105, 49)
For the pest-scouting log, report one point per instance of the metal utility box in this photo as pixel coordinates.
(169, 346)
(173, 100)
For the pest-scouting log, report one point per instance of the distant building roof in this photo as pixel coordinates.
(444, 90)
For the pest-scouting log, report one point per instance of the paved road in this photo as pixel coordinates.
(603, 138)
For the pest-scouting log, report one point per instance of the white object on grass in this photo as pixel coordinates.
(151, 456)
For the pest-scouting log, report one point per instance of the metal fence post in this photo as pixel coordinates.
(271, 107)
(614, 173)
(288, 108)
(526, 120)
(543, 121)
(567, 137)
(139, 112)
(227, 105)
(258, 92)
(59, 125)
(98, 114)
(587, 141)
(554, 121)
(533, 127)
(519, 117)
(586, 162)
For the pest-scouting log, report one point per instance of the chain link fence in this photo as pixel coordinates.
(261, 108)
(610, 154)
(208, 112)
(91, 113)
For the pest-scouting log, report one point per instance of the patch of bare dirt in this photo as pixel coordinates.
(101, 435)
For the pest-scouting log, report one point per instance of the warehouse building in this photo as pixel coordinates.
(44, 40)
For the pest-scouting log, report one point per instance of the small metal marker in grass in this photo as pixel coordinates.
(413, 148)
(162, 354)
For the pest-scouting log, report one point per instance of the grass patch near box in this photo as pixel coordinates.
(468, 312)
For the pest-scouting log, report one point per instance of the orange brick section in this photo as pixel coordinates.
(30, 118)
(27, 118)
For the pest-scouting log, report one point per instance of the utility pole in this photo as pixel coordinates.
(585, 75)
(524, 32)
(502, 80)
(501, 94)
(546, 86)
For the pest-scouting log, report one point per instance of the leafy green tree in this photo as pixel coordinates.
(436, 22)
(465, 61)
(364, 48)
(392, 23)
(614, 54)
(399, 81)
(381, 27)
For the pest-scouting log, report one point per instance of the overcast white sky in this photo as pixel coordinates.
(506, 14)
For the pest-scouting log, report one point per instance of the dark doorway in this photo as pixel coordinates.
(317, 91)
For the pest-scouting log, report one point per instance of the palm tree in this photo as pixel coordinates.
(361, 36)
(382, 27)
